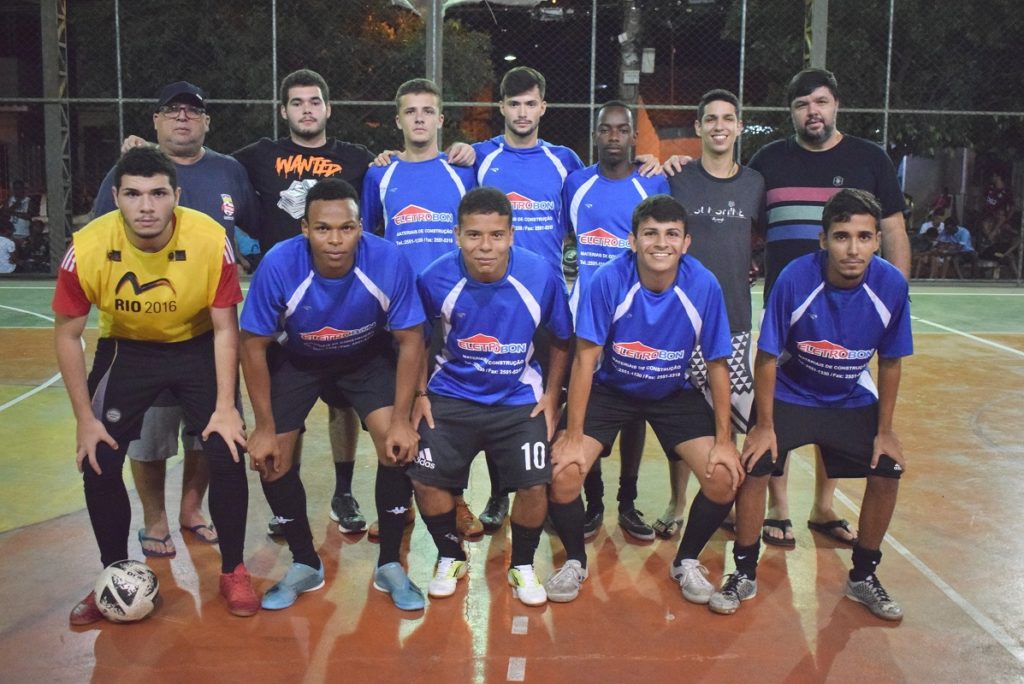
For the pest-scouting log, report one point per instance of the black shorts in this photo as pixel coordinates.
(128, 376)
(677, 418)
(515, 442)
(846, 437)
(366, 383)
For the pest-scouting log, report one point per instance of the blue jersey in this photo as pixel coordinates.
(649, 337)
(417, 204)
(331, 316)
(487, 356)
(601, 215)
(532, 179)
(825, 336)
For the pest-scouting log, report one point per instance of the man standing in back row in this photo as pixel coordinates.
(282, 171)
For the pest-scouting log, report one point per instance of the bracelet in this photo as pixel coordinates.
(420, 393)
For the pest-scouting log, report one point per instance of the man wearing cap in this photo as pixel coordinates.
(218, 186)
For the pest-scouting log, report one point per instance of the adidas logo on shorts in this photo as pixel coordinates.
(424, 459)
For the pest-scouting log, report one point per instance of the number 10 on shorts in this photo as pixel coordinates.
(534, 455)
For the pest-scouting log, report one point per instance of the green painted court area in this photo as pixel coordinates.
(38, 480)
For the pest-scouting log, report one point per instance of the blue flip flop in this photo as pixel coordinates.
(149, 553)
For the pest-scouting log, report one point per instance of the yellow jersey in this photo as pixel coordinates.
(163, 296)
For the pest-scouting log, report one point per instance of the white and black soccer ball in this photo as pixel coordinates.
(126, 591)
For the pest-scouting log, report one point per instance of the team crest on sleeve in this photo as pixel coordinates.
(227, 206)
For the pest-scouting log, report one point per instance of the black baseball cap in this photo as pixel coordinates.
(181, 91)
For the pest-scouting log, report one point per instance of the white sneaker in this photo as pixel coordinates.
(525, 585)
(446, 576)
(693, 581)
(564, 585)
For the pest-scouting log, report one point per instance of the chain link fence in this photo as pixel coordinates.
(943, 95)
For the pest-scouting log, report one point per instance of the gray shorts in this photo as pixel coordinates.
(159, 438)
(161, 426)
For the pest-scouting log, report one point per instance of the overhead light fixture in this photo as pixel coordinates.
(510, 57)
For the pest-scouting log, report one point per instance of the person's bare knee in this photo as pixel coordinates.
(530, 506)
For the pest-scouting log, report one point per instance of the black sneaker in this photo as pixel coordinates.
(633, 523)
(493, 516)
(345, 512)
(592, 523)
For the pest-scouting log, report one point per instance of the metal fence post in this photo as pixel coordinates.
(53, 16)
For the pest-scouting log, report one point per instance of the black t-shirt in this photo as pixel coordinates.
(277, 169)
(722, 214)
(798, 182)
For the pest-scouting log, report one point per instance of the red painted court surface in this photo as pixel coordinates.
(952, 557)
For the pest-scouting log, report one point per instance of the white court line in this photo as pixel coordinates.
(40, 388)
(969, 336)
(520, 624)
(25, 311)
(516, 670)
(990, 627)
(994, 630)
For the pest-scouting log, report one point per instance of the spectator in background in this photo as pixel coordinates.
(996, 237)
(35, 252)
(998, 196)
(8, 250)
(19, 207)
(934, 221)
(944, 202)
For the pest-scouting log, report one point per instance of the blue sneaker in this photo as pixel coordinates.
(298, 580)
(391, 579)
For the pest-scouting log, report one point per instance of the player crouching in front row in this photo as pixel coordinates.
(163, 278)
(827, 315)
(486, 393)
(641, 316)
(339, 297)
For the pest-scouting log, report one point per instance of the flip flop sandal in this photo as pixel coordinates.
(783, 525)
(209, 528)
(666, 529)
(830, 530)
(149, 553)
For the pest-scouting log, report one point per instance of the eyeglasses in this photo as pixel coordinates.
(174, 111)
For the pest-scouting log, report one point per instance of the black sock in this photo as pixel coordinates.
(865, 562)
(229, 503)
(524, 543)
(746, 558)
(705, 517)
(343, 478)
(568, 520)
(392, 493)
(287, 499)
(593, 488)
(495, 475)
(627, 493)
(106, 497)
(446, 538)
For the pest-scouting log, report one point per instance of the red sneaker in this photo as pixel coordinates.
(236, 588)
(85, 611)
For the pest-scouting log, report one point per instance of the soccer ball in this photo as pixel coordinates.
(126, 591)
